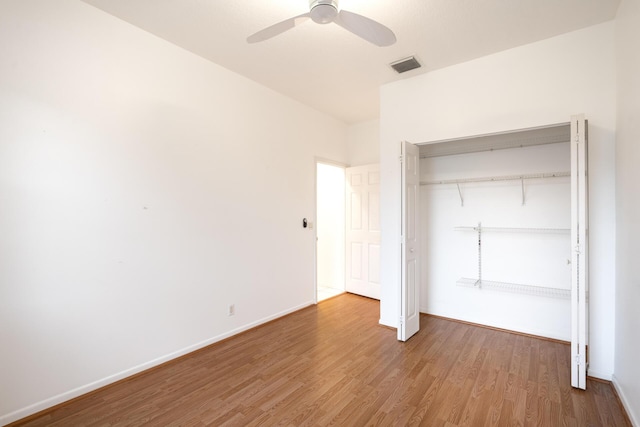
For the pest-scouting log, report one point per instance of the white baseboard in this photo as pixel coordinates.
(625, 402)
(529, 331)
(87, 388)
(599, 375)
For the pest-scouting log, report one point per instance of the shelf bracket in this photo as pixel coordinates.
(460, 193)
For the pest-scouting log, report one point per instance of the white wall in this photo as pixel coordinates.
(363, 143)
(527, 258)
(627, 345)
(533, 85)
(330, 223)
(143, 190)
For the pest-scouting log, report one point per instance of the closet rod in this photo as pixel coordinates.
(499, 178)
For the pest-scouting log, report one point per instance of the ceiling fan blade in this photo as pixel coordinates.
(370, 30)
(278, 28)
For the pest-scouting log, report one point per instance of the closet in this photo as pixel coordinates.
(503, 232)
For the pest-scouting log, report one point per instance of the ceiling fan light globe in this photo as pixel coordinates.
(324, 13)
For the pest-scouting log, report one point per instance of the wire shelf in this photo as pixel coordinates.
(542, 291)
(516, 229)
(520, 178)
(499, 178)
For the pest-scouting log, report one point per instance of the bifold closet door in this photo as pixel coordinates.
(363, 230)
(409, 322)
(579, 252)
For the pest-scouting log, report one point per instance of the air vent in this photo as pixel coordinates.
(406, 64)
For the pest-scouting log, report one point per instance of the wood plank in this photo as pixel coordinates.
(332, 364)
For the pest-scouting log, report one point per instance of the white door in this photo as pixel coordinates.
(409, 322)
(363, 230)
(579, 253)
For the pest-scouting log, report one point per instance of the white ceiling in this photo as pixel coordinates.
(332, 70)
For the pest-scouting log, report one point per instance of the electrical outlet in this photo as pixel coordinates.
(232, 310)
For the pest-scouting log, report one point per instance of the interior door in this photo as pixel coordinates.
(579, 253)
(363, 230)
(409, 322)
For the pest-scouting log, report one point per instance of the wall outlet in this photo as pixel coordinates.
(232, 310)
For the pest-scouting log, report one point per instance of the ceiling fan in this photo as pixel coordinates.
(325, 12)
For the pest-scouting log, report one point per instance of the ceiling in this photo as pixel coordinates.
(332, 70)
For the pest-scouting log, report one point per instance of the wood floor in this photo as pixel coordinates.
(332, 364)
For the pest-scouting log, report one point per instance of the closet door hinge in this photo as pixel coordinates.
(400, 158)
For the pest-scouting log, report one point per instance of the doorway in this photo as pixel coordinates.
(509, 230)
(330, 230)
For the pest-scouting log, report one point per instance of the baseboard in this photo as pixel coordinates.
(531, 333)
(635, 422)
(599, 375)
(51, 402)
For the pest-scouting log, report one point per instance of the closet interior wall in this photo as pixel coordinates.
(525, 239)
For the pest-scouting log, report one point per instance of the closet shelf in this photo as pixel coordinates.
(515, 288)
(499, 178)
(515, 229)
(520, 138)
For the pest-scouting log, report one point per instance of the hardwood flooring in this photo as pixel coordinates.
(332, 364)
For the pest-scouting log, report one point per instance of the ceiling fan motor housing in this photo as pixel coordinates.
(323, 11)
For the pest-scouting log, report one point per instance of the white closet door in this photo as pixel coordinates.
(409, 322)
(579, 253)
(363, 231)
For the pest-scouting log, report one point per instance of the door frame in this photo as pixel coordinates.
(579, 249)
